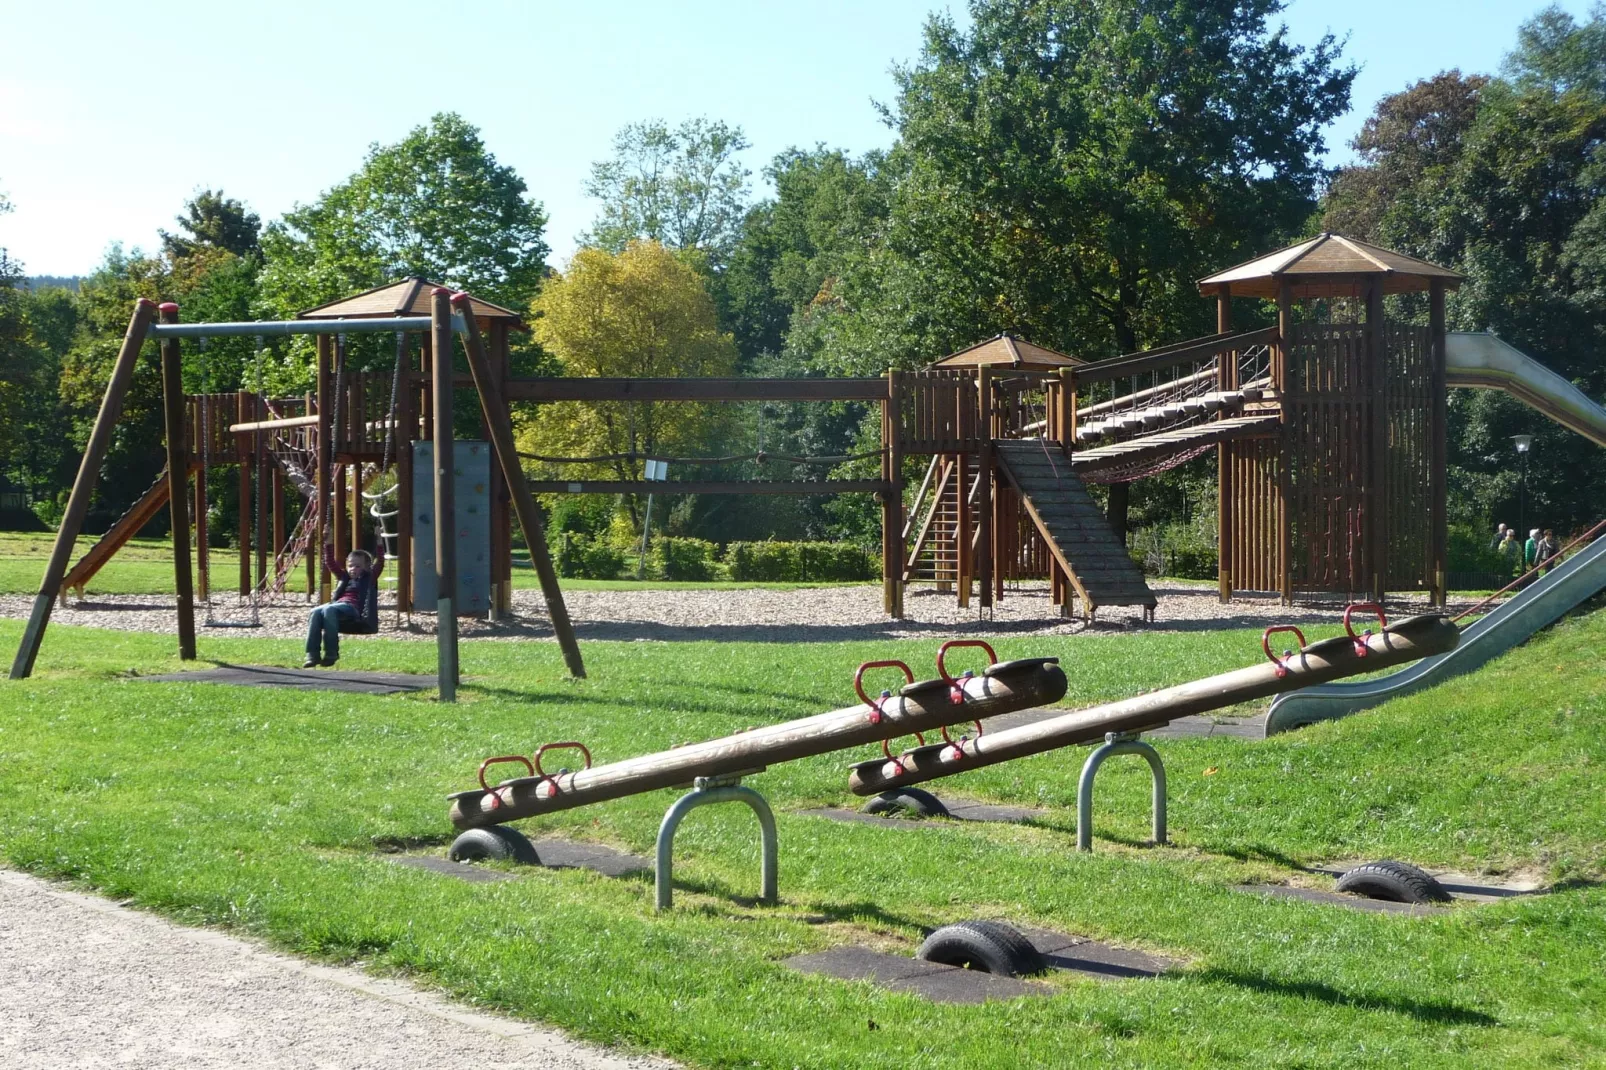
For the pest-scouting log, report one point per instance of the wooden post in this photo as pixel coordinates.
(242, 519)
(1285, 335)
(202, 539)
(1438, 449)
(406, 428)
(440, 311)
(892, 507)
(1226, 379)
(984, 474)
(264, 501)
(963, 562)
(178, 471)
(500, 424)
(83, 488)
(502, 504)
(326, 462)
(1377, 534)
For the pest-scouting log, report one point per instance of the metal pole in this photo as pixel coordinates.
(111, 410)
(709, 790)
(1117, 743)
(445, 502)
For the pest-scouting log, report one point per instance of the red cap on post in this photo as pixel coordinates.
(439, 290)
(144, 302)
(167, 306)
(461, 298)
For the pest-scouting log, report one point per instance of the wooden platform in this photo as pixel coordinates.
(1073, 526)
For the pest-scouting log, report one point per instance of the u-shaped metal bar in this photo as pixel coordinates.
(1117, 743)
(706, 795)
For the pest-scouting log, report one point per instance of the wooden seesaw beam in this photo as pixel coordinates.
(1318, 663)
(919, 707)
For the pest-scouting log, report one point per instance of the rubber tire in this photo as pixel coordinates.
(1397, 882)
(906, 802)
(987, 946)
(496, 843)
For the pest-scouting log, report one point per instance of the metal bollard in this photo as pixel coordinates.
(705, 792)
(1117, 743)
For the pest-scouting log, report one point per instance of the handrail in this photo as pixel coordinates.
(1553, 560)
(1153, 360)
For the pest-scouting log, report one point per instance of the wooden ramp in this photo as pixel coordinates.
(1077, 533)
(127, 526)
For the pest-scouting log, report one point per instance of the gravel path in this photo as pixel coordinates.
(813, 614)
(85, 983)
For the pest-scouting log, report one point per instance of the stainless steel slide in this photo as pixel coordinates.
(1482, 360)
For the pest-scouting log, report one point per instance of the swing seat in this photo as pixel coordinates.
(368, 622)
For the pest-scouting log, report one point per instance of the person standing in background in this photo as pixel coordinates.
(1548, 549)
(1501, 533)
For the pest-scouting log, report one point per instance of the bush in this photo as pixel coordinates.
(580, 557)
(799, 561)
(1180, 551)
(683, 559)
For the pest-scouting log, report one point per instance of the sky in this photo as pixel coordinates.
(109, 123)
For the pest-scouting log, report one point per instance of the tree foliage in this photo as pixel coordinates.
(211, 220)
(641, 313)
(436, 204)
(1066, 169)
(684, 188)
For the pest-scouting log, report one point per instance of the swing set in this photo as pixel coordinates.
(342, 447)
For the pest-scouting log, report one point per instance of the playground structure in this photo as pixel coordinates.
(716, 767)
(1328, 427)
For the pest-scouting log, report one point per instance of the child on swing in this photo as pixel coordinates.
(355, 607)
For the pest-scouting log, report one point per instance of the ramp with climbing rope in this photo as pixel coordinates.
(1077, 533)
(128, 525)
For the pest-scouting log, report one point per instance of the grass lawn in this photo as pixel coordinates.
(265, 812)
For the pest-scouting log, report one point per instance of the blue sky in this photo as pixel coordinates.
(108, 121)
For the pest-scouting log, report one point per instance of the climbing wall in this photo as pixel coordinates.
(472, 475)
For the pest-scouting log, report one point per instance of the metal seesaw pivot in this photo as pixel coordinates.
(1117, 743)
(707, 790)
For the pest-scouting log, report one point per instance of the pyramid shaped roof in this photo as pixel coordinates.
(1007, 351)
(409, 297)
(1329, 265)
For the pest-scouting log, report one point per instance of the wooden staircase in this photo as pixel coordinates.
(1076, 531)
(934, 522)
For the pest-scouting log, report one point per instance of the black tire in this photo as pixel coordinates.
(987, 946)
(496, 843)
(906, 802)
(1398, 882)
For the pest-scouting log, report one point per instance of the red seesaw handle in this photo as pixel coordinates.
(496, 800)
(548, 778)
(1360, 640)
(1265, 644)
(959, 751)
(956, 693)
(886, 748)
(875, 704)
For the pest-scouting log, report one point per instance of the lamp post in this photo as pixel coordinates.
(1523, 444)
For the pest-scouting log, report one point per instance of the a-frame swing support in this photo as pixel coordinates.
(442, 324)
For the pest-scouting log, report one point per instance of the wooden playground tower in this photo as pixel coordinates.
(1329, 428)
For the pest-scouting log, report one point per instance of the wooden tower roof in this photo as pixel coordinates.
(1007, 351)
(1329, 265)
(409, 297)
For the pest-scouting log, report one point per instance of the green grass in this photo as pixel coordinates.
(264, 811)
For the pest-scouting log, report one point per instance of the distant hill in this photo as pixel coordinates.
(45, 282)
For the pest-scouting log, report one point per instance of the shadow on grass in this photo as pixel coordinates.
(1433, 1011)
(1254, 852)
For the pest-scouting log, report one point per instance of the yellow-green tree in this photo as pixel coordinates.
(639, 313)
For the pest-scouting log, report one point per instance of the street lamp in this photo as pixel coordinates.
(1523, 444)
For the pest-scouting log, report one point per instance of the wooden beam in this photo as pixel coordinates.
(1438, 449)
(325, 466)
(1377, 478)
(273, 425)
(83, 488)
(690, 486)
(600, 389)
(178, 473)
(1226, 379)
(445, 498)
(1280, 358)
(1165, 358)
(500, 425)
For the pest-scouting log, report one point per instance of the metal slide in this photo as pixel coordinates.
(1480, 360)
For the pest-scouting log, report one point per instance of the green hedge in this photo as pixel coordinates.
(684, 559)
(799, 561)
(582, 557)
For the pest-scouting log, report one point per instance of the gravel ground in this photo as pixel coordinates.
(815, 614)
(85, 983)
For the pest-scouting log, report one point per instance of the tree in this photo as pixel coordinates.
(1066, 169)
(683, 188)
(641, 313)
(213, 220)
(435, 204)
